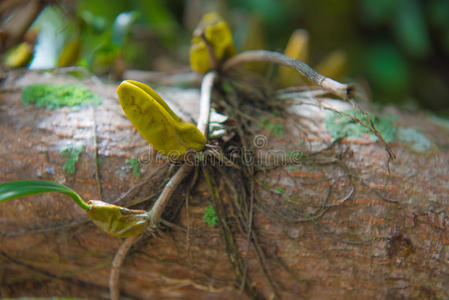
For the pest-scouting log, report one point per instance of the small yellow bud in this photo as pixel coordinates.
(117, 220)
(217, 33)
(19, 56)
(333, 65)
(298, 48)
(70, 54)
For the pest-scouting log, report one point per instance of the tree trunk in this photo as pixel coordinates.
(335, 224)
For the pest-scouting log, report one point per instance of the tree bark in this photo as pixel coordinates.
(337, 226)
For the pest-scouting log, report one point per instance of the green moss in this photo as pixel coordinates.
(72, 155)
(53, 96)
(410, 135)
(134, 163)
(340, 126)
(277, 129)
(210, 217)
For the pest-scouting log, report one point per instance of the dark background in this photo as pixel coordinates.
(398, 50)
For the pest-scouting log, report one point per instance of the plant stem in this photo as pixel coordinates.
(159, 206)
(206, 91)
(203, 121)
(341, 90)
(119, 258)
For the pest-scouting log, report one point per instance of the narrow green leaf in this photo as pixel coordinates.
(20, 188)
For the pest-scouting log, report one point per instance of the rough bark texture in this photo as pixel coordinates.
(389, 239)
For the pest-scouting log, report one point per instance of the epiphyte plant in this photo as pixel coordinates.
(213, 49)
(113, 219)
(156, 122)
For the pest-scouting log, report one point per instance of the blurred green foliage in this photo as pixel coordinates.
(397, 49)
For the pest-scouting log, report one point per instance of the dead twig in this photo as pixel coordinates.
(341, 90)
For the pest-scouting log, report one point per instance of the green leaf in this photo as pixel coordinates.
(15, 189)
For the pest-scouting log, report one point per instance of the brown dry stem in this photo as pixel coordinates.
(119, 258)
(160, 204)
(341, 90)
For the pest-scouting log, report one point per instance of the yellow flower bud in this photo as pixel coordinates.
(217, 33)
(70, 54)
(18, 56)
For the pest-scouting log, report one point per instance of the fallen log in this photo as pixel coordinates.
(326, 220)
